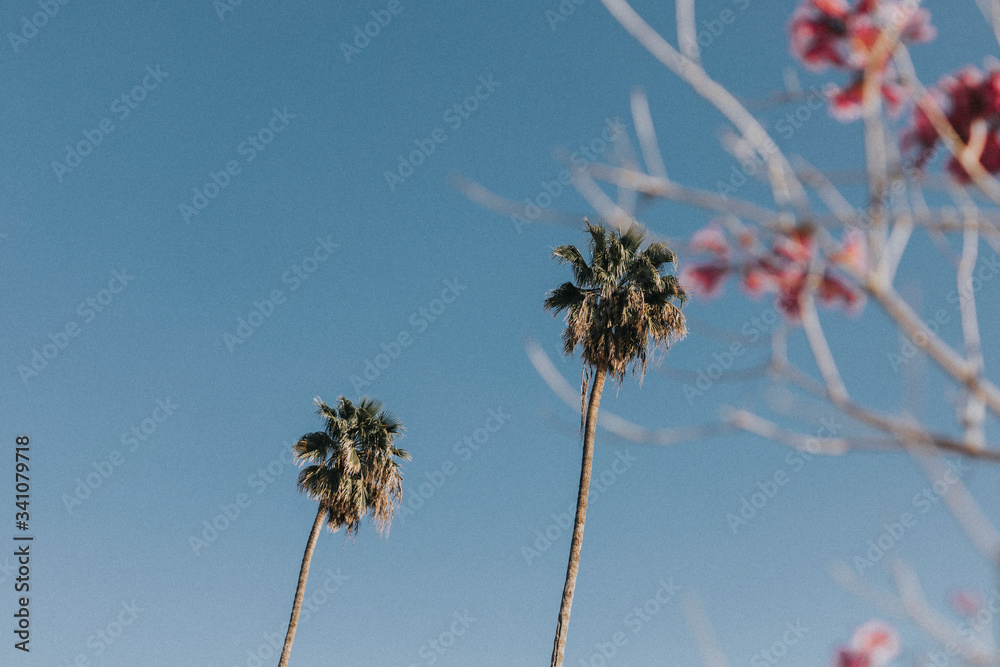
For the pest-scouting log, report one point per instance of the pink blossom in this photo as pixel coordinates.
(847, 658)
(710, 239)
(830, 33)
(705, 279)
(782, 269)
(970, 100)
(878, 641)
(853, 253)
(874, 644)
(967, 603)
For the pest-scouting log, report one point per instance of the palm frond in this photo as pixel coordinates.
(353, 471)
(565, 296)
(626, 307)
(570, 254)
(313, 447)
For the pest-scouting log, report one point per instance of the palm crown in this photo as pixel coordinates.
(620, 301)
(352, 468)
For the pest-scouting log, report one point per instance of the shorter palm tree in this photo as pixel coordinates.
(620, 306)
(352, 472)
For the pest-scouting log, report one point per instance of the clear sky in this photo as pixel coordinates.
(230, 247)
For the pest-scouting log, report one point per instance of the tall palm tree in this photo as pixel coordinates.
(352, 472)
(619, 309)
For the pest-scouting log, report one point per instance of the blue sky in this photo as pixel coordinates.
(191, 344)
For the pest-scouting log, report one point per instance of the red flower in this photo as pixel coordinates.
(847, 658)
(706, 279)
(967, 603)
(782, 269)
(847, 104)
(710, 239)
(757, 279)
(873, 644)
(834, 291)
(853, 253)
(829, 33)
(796, 247)
(790, 299)
(971, 102)
(818, 30)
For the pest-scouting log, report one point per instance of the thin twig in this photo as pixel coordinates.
(646, 133)
(786, 187)
(687, 31)
(817, 339)
(932, 621)
(702, 632)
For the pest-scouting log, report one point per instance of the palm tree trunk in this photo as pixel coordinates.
(581, 517)
(300, 590)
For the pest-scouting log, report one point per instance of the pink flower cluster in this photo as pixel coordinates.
(971, 102)
(873, 644)
(830, 33)
(834, 34)
(782, 268)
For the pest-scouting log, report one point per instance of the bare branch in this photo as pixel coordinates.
(625, 153)
(817, 339)
(596, 197)
(928, 341)
(706, 199)
(786, 187)
(702, 632)
(991, 12)
(932, 621)
(847, 578)
(961, 504)
(828, 194)
(687, 31)
(753, 423)
(903, 432)
(647, 134)
(975, 409)
(494, 202)
(608, 420)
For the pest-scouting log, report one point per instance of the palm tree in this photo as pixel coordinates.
(352, 472)
(619, 309)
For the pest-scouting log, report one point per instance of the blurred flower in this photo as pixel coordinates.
(874, 644)
(878, 641)
(970, 100)
(710, 239)
(853, 253)
(847, 658)
(847, 104)
(782, 269)
(967, 603)
(705, 279)
(819, 31)
(830, 33)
